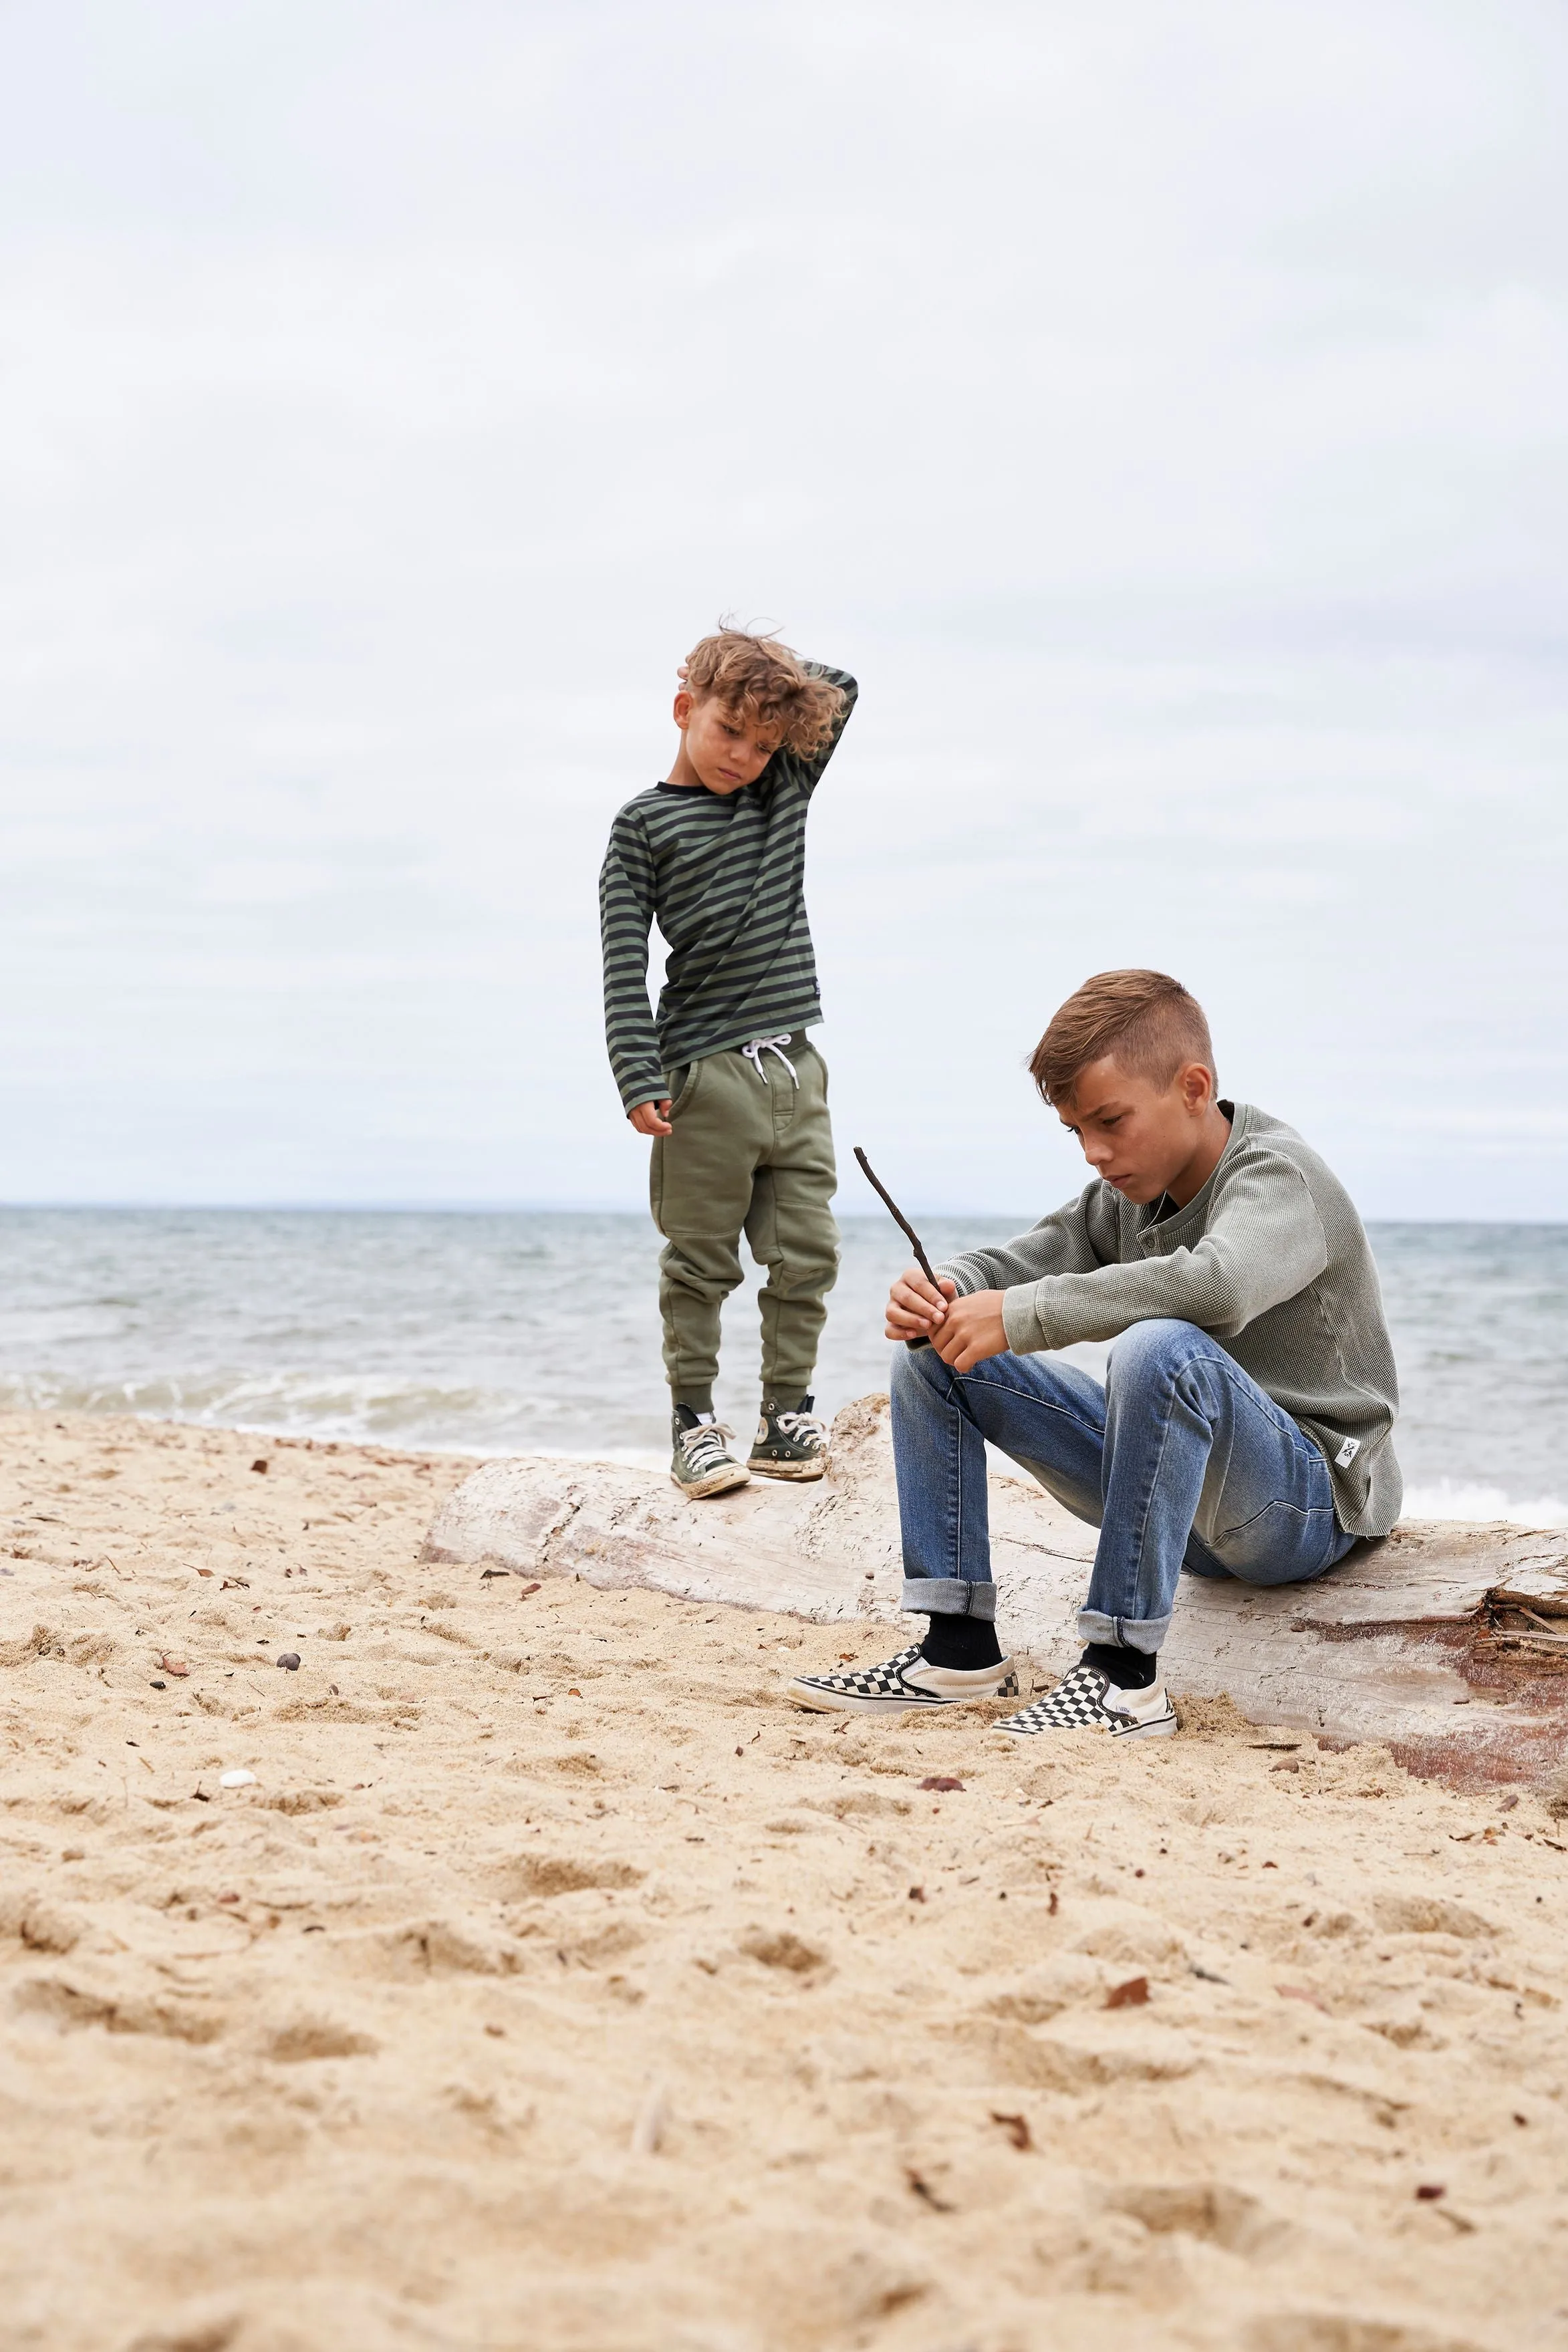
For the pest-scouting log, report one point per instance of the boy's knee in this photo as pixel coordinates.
(1155, 1350)
(698, 1271)
(916, 1370)
(792, 1275)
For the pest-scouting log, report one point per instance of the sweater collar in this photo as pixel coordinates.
(1154, 1231)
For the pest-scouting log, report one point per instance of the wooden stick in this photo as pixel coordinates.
(899, 1219)
(898, 1215)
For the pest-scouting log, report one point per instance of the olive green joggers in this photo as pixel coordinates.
(747, 1153)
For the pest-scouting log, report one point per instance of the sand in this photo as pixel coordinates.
(552, 1984)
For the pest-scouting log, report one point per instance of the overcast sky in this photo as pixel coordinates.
(1164, 412)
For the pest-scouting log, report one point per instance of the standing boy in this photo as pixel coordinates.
(725, 1077)
(1244, 1426)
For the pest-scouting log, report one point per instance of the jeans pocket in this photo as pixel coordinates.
(1281, 1544)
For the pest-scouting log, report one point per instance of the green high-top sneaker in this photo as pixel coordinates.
(791, 1442)
(700, 1462)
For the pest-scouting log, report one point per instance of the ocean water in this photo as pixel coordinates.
(525, 1332)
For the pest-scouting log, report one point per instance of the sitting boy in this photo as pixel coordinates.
(725, 1079)
(1243, 1429)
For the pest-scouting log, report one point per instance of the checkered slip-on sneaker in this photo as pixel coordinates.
(1088, 1700)
(791, 1442)
(900, 1683)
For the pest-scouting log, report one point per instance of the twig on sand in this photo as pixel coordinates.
(924, 2190)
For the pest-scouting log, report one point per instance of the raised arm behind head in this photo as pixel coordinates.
(743, 698)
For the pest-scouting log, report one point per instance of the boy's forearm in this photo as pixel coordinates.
(632, 1043)
(626, 917)
(808, 772)
(1063, 1308)
(1264, 1247)
(632, 1098)
(1062, 1242)
(848, 687)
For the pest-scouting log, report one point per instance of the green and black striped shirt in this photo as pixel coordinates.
(723, 874)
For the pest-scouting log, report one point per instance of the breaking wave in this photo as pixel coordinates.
(538, 1333)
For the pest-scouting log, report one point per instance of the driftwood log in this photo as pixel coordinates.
(1447, 1642)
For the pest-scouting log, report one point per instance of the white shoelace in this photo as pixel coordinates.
(760, 1046)
(802, 1425)
(704, 1445)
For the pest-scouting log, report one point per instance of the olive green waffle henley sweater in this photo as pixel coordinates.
(723, 875)
(1270, 1257)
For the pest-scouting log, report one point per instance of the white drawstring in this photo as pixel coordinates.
(760, 1046)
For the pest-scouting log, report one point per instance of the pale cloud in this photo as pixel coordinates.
(1161, 411)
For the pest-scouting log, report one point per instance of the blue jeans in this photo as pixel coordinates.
(1180, 1459)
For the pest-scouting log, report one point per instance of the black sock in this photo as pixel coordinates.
(965, 1644)
(1129, 1669)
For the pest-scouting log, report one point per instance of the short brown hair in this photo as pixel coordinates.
(770, 684)
(1146, 1018)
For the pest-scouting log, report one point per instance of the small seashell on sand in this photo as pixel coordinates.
(291, 1660)
(174, 1666)
(653, 2115)
(1300, 1992)
(236, 1778)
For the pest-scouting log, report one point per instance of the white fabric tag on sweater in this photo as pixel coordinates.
(1347, 1453)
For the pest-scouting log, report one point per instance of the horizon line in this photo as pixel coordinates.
(557, 1207)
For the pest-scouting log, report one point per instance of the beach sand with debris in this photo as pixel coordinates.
(550, 1982)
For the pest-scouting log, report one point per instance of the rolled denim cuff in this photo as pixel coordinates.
(1125, 1632)
(947, 1596)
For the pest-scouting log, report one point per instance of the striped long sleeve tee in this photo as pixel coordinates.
(723, 875)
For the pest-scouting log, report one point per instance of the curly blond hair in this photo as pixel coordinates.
(770, 683)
